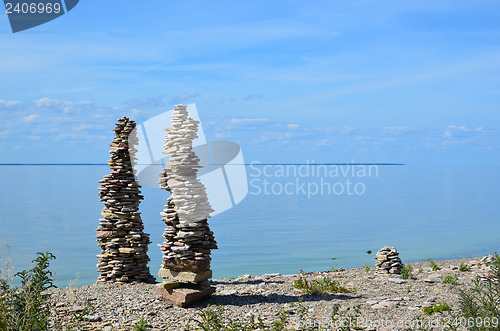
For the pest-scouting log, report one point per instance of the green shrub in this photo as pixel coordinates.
(406, 272)
(432, 263)
(367, 267)
(25, 307)
(449, 279)
(323, 285)
(213, 319)
(334, 267)
(439, 308)
(463, 267)
(141, 325)
(482, 302)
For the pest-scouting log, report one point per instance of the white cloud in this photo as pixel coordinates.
(347, 129)
(31, 118)
(45, 102)
(63, 105)
(293, 126)
(453, 131)
(248, 120)
(182, 98)
(397, 129)
(9, 103)
(4, 133)
(82, 127)
(322, 142)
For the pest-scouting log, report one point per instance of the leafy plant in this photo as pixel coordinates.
(213, 319)
(323, 285)
(141, 325)
(482, 302)
(367, 267)
(463, 267)
(25, 307)
(348, 322)
(439, 308)
(334, 267)
(406, 272)
(432, 263)
(449, 279)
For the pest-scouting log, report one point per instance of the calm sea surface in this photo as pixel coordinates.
(449, 212)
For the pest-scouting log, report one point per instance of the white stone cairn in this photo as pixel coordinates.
(188, 239)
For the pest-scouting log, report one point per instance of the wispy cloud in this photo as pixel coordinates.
(9, 103)
(454, 131)
(31, 118)
(184, 98)
(248, 120)
(397, 129)
(252, 97)
(150, 102)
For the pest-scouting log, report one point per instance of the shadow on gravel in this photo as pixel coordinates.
(247, 282)
(250, 299)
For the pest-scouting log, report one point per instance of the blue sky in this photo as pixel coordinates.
(331, 81)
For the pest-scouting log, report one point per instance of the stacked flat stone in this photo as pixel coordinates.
(188, 239)
(388, 261)
(120, 235)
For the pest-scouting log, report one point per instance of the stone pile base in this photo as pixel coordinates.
(184, 288)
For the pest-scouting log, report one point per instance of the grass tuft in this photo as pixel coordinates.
(439, 308)
(463, 267)
(323, 285)
(406, 272)
(432, 263)
(141, 325)
(449, 279)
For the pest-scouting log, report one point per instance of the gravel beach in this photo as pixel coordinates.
(379, 301)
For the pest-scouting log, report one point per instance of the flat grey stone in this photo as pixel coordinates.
(397, 280)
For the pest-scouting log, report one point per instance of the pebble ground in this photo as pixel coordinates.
(382, 301)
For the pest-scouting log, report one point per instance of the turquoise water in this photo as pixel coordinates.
(449, 212)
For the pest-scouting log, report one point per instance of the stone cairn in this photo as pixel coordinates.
(188, 239)
(123, 243)
(388, 261)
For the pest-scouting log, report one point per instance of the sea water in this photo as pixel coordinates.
(280, 226)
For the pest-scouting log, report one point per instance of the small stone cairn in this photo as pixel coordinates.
(188, 239)
(388, 261)
(120, 235)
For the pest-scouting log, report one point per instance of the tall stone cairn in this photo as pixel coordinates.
(388, 261)
(123, 243)
(188, 239)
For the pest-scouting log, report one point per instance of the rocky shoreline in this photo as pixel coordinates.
(375, 298)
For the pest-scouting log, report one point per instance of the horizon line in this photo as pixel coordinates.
(215, 164)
